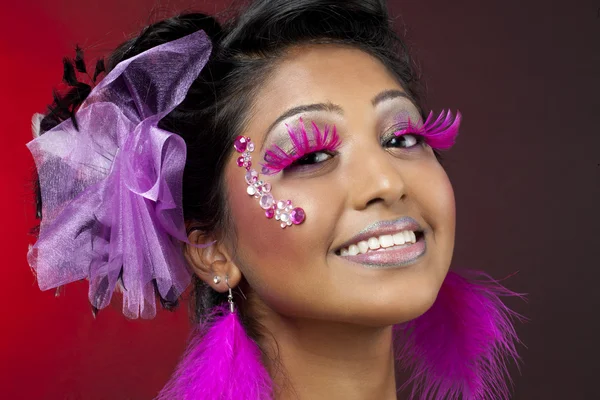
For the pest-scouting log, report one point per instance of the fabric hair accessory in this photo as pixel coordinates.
(460, 348)
(112, 189)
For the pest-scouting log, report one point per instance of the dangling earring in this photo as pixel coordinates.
(459, 349)
(221, 362)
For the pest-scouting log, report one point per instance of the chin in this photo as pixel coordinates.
(398, 308)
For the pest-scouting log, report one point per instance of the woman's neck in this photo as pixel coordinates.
(314, 360)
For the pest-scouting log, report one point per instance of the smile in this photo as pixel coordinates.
(395, 250)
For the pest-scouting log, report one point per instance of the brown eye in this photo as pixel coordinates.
(313, 158)
(405, 141)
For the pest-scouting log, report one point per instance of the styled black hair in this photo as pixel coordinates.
(246, 48)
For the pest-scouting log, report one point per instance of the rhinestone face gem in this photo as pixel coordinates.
(281, 210)
(270, 213)
(266, 201)
(297, 216)
(251, 177)
(240, 144)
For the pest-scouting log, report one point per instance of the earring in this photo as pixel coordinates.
(230, 295)
(461, 346)
(221, 362)
(217, 279)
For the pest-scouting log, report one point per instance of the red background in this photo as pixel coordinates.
(526, 172)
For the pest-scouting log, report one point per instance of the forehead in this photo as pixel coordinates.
(307, 74)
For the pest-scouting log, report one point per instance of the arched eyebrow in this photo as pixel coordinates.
(330, 107)
(388, 95)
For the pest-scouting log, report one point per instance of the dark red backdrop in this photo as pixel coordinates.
(526, 173)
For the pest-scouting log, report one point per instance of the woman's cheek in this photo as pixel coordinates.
(265, 251)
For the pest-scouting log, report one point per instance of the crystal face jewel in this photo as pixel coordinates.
(250, 176)
(266, 201)
(297, 215)
(240, 144)
(280, 210)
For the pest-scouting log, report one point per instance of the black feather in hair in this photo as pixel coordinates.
(69, 75)
(100, 68)
(79, 62)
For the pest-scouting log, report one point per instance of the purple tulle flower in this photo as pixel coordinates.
(111, 191)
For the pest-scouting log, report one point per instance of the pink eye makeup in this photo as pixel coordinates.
(304, 143)
(439, 134)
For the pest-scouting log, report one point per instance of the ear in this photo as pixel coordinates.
(212, 260)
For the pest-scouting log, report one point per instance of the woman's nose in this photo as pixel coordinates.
(375, 178)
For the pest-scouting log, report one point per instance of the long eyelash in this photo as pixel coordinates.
(439, 134)
(277, 159)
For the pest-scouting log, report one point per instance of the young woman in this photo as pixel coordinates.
(284, 164)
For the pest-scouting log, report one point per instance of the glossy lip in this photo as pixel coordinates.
(383, 228)
(392, 257)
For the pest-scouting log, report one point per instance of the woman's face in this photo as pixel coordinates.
(369, 181)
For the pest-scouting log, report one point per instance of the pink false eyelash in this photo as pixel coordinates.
(439, 134)
(277, 159)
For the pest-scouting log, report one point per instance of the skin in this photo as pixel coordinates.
(329, 319)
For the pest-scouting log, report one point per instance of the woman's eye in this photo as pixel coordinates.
(404, 141)
(312, 158)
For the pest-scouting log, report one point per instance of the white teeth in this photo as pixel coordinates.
(386, 241)
(373, 243)
(399, 238)
(383, 241)
(363, 246)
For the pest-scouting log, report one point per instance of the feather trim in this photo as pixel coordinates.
(460, 348)
(221, 362)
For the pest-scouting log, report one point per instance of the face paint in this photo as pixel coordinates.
(281, 210)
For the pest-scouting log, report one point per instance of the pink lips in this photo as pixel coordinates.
(392, 256)
(384, 228)
(396, 256)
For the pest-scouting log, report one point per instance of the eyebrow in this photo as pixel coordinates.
(330, 107)
(389, 95)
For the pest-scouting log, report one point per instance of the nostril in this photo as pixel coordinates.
(374, 201)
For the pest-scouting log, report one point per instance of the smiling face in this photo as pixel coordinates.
(368, 180)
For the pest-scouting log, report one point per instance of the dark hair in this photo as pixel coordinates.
(246, 49)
